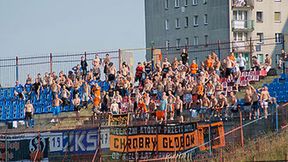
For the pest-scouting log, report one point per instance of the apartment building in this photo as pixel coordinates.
(201, 24)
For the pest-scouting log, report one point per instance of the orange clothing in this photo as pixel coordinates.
(209, 63)
(194, 68)
(200, 89)
(97, 96)
(232, 57)
(142, 107)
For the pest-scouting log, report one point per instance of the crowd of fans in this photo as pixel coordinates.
(158, 91)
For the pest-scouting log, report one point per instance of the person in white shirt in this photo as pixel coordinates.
(241, 62)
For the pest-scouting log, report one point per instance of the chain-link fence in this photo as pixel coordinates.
(14, 69)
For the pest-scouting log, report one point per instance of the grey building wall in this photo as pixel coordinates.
(218, 27)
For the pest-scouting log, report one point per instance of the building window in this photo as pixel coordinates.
(196, 41)
(239, 15)
(260, 37)
(167, 44)
(177, 3)
(177, 44)
(196, 20)
(186, 3)
(259, 16)
(278, 37)
(194, 2)
(166, 24)
(177, 23)
(240, 36)
(187, 41)
(204, 2)
(277, 16)
(186, 22)
(206, 40)
(205, 19)
(166, 4)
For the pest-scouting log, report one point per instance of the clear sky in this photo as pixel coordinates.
(38, 27)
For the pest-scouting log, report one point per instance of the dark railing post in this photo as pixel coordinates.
(219, 50)
(241, 128)
(210, 138)
(17, 68)
(85, 55)
(51, 63)
(276, 118)
(120, 59)
(251, 51)
(283, 42)
(152, 61)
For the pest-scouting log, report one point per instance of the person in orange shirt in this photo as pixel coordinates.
(200, 90)
(193, 68)
(97, 96)
(209, 62)
(142, 109)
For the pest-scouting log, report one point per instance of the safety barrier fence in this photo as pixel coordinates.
(13, 69)
(92, 139)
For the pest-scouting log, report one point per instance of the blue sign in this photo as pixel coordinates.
(74, 141)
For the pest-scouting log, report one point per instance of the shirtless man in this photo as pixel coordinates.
(56, 108)
(77, 108)
(96, 61)
(179, 109)
(29, 111)
(264, 100)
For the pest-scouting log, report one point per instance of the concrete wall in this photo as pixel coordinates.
(269, 27)
(218, 26)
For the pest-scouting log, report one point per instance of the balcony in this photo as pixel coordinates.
(243, 4)
(243, 25)
(241, 46)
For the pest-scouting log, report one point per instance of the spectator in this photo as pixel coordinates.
(184, 56)
(268, 62)
(19, 91)
(193, 68)
(29, 111)
(115, 108)
(255, 64)
(241, 62)
(77, 106)
(56, 109)
(264, 99)
(84, 66)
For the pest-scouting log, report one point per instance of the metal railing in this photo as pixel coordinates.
(242, 25)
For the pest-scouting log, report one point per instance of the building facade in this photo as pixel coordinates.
(251, 27)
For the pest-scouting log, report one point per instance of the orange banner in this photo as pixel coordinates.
(217, 135)
(167, 143)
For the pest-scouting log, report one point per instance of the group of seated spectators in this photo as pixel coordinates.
(161, 91)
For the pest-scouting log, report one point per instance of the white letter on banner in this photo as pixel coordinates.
(79, 139)
(92, 139)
